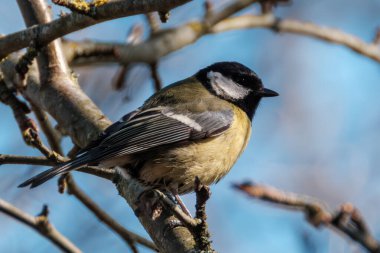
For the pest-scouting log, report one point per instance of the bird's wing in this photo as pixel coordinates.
(145, 130)
(156, 127)
(108, 131)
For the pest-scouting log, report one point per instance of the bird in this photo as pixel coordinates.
(196, 127)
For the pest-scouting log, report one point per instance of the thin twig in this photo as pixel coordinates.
(376, 40)
(202, 235)
(154, 28)
(27, 126)
(105, 173)
(129, 237)
(31, 160)
(41, 224)
(134, 37)
(346, 220)
(208, 8)
(155, 76)
(152, 22)
(52, 135)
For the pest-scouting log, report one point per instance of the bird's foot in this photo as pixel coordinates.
(182, 205)
(148, 204)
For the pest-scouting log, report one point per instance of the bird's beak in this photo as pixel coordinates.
(267, 93)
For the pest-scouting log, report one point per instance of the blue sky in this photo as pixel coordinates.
(319, 137)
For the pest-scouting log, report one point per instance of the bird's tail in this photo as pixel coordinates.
(50, 173)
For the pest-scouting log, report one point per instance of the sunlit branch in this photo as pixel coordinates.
(346, 219)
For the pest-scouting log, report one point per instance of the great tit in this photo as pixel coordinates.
(196, 127)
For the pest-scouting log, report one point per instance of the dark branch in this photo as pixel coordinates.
(155, 76)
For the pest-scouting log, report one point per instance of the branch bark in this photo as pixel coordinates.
(332, 35)
(41, 224)
(150, 51)
(167, 237)
(128, 236)
(44, 33)
(346, 219)
(58, 89)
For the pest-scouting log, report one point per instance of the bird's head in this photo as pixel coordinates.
(235, 83)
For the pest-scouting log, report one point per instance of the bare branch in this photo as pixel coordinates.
(134, 36)
(41, 224)
(155, 76)
(152, 22)
(155, 48)
(51, 134)
(105, 173)
(154, 28)
(376, 40)
(346, 220)
(202, 235)
(129, 237)
(167, 239)
(32, 160)
(27, 126)
(44, 33)
(58, 89)
(297, 27)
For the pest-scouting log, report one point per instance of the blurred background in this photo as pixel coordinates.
(320, 137)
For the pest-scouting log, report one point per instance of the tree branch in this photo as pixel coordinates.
(31, 160)
(58, 89)
(202, 235)
(174, 39)
(44, 33)
(51, 134)
(332, 35)
(41, 224)
(128, 236)
(346, 220)
(165, 236)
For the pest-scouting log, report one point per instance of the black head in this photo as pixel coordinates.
(236, 83)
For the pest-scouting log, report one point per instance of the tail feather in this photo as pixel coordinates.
(50, 173)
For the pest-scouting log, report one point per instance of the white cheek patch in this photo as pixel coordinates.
(226, 87)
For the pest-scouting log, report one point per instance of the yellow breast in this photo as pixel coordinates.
(209, 159)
